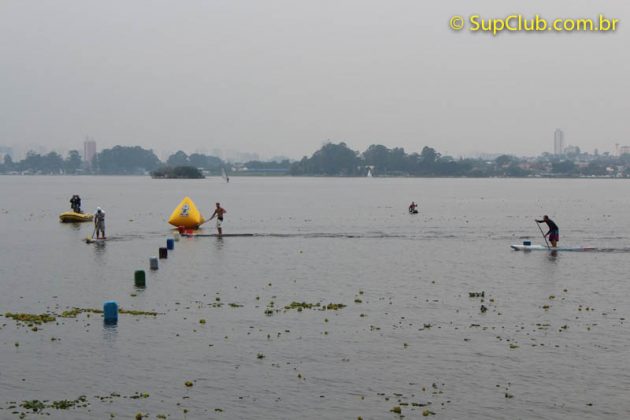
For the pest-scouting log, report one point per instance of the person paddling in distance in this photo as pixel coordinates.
(99, 223)
(219, 212)
(413, 208)
(554, 232)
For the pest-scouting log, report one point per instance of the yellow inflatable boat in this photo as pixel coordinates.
(187, 215)
(73, 217)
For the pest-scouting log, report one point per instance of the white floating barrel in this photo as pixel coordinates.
(153, 263)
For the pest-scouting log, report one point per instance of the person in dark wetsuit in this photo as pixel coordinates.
(75, 203)
(554, 232)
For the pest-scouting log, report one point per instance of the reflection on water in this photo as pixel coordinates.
(75, 226)
(218, 243)
(110, 331)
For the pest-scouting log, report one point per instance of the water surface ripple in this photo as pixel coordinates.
(547, 340)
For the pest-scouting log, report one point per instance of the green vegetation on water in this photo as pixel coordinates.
(303, 305)
(30, 318)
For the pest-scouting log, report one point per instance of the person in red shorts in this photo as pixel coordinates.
(554, 232)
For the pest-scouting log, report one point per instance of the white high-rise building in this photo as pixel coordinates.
(89, 151)
(558, 142)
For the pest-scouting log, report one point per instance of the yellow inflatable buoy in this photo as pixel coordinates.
(186, 214)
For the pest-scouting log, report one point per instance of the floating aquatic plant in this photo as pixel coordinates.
(30, 318)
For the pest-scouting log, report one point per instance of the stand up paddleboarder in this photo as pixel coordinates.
(219, 212)
(99, 223)
(554, 232)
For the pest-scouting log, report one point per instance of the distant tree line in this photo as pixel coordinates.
(119, 160)
(209, 163)
(122, 160)
(339, 160)
(136, 160)
(330, 160)
(50, 164)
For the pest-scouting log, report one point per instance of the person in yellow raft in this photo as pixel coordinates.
(219, 212)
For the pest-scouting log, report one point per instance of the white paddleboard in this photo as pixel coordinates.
(533, 247)
(94, 240)
(214, 235)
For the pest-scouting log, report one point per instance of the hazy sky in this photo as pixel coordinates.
(284, 76)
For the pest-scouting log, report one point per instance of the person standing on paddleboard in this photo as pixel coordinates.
(554, 232)
(99, 223)
(218, 212)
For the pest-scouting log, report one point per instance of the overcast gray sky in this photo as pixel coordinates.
(281, 77)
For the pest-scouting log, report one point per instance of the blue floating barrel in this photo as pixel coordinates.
(140, 278)
(110, 312)
(170, 244)
(153, 263)
(163, 253)
(527, 243)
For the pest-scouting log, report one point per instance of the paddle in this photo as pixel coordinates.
(88, 240)
(544, 237)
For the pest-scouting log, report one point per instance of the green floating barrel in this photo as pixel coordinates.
(140, 279)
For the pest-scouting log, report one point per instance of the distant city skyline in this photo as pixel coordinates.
(284, 77)
(558, 142)
(89, 151)
(558, 146)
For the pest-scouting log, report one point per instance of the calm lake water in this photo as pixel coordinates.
(553, 342)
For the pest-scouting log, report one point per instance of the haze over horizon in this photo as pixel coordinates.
(281, 77)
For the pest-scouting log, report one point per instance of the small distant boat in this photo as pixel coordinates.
(74, 217)
(187, 215)
(369, 174)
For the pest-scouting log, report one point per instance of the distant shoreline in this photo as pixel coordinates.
(267, 175)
